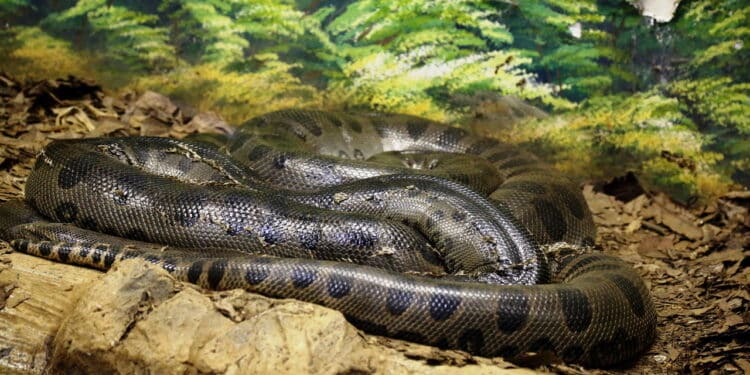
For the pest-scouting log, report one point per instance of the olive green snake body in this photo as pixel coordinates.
(460, 241)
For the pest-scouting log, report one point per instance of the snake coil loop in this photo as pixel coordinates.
(297, 193)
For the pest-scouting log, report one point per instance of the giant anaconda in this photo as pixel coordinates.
(295, 195)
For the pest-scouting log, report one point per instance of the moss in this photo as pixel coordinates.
(36, 55)
(236, 96)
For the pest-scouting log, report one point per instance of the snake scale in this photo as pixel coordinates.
(459, 241)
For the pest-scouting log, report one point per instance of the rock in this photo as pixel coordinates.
(657, 10)
(138, 319)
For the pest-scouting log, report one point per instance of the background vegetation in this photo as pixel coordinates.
(667, 101)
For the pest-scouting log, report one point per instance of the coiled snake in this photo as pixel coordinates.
(305, 192)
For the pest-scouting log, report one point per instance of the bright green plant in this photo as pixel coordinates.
(667, 101)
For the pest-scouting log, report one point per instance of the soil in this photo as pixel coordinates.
(694, 259)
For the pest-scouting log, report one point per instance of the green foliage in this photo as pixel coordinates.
(126, 36)
(569, 46)
(668, 101)
(205, 30)
(11, 7)
(33, 54)
(646, 133)
(719, 36)
(222, 31)
(717, 100)
(714, 84)
(407, 56)
(238, 95)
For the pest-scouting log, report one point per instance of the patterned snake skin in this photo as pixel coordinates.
(301, 194)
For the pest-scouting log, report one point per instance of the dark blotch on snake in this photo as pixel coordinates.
(338, 286)
(513, 311)
(458, 216)
(85, 249)
(169, 264)
(471, 340)
(631, 293)
(109, 258)
(96, 256)
(270, 233)
(45, 248)
(256, 273)
(334, 119)
(74, 172)
(576, 309)
(442, 306)
(216, 272)
(63, 252)
(302, 278)
(398, 301)
(194, 272)
(309, 123)
(152, 258)
(21, 245)
(355, 125)
(381, 126)
(551, 218)
(310, 239)
(356, 239)
(450, 137)
(415, 128)
(66, 212)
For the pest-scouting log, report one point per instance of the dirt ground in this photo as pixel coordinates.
(694, 259)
